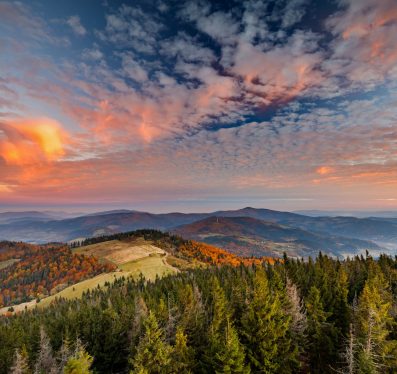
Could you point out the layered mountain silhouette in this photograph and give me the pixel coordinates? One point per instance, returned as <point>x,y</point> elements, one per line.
<point>266,230</point>
<point>253,237</point>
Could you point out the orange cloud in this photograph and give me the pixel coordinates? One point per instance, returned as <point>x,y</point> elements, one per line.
<point>30,141</point>
<point>4,188</point>
<point>324,170</point>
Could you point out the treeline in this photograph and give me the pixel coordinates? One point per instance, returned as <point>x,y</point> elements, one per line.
<point>12,250</point>
<point>156,236</point>
<point>179,247</point>
<point>42,268</point>
<point>322,316</point>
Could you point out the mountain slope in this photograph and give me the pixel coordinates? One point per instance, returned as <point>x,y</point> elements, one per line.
<point>361,228</point>
<point>380,230</point>
<point>92,225</point>
<point>250,236</point>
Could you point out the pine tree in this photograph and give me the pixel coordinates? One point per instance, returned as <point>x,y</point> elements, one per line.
<point>374,320</point>
<point>265,329</point>
<point>183,355</point>
<point>295,308</point>
<point>20,364</point>
<point>319,332</point>
<point>225,353</point>
<point>80,362</point>
<point>153,353</point>
<point>230,358</point>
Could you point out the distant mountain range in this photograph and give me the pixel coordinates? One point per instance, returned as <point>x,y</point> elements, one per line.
<point>349,213</point>
<point>11,217</point>
<point>268,230</point>
<point>254,237</point>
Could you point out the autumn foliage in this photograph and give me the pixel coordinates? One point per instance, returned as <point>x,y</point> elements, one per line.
<point>216,256</point>
<point>42,268</point>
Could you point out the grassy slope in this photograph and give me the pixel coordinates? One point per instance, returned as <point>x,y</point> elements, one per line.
<point>120,252</point>
<point>132,258</point>
<point>150,267</point>
<point>76,290</point>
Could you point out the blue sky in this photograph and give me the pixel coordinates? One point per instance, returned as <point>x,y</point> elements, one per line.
<point>198,105</point>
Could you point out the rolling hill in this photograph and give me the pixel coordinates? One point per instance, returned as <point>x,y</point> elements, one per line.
<point>54,271</point>
<point>382,231</point>
<point>254,237</point>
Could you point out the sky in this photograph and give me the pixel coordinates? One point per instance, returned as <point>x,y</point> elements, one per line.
<point>198,105</point>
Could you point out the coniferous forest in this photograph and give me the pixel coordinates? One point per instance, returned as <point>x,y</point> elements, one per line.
<point>316,316</point>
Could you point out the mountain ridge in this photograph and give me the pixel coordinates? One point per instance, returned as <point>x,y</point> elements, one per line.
<point>253,237</point>
<point>379,230</point>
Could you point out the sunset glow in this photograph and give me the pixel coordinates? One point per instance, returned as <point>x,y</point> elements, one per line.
<point>199,105</point>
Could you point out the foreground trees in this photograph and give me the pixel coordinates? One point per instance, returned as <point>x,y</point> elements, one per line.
<point>321,316</point>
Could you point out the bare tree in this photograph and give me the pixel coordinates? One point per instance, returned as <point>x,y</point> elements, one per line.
<point>349,354</point>
<point>64,353</point>
<point>296,309</point>
<point>20,364</point>
<point>46,362</point>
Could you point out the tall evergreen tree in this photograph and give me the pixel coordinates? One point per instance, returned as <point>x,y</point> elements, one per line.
<point>153,353</point>
<point>225,353</point>
<point>374,321</point>
<point>183,355</point>
<point>80,362</point>
<point>230,357</point>
<point>265,329</point>
<point>320,333</point>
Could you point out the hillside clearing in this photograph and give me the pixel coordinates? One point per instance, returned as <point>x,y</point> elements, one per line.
<point>150,267</point>
<point>151,263</point>
<point>120,252</point>
<point>4,264</point>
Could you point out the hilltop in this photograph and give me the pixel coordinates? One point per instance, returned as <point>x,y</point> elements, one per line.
<point>51,271</point>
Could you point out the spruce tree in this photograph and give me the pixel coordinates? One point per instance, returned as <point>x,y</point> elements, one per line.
<point>374,322</point>
<point>320,333</point>
<point>153,353</point>
<point>230,357</point>
<point>80,362</point>
<point>265,329</point>
<point>225,353</point>
<point>183,355</point>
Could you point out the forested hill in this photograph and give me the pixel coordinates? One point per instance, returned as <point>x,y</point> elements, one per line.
<point>34,272</point>
<point>322,316</point>
<point>180,247</point>
<point>254,237</point>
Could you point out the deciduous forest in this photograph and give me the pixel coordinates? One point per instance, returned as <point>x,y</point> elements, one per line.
<point>39,269</point>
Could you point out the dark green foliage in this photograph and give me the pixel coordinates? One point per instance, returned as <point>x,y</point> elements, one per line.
<point>153,354</point>
<point>321,316</point>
